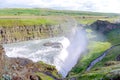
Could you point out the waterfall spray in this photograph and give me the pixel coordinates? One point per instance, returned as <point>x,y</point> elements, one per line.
<point>73,48</point>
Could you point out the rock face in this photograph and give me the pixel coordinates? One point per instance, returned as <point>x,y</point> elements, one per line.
<point>24,33</point>
<point>2,60</point>
<point>22,68</point>
<point>118,58</point>
<point>104,26</point>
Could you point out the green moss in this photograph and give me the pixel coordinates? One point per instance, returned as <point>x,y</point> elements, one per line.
<point>44,77</point>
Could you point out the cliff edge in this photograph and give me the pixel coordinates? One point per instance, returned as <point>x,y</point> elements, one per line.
<point>24,69</point>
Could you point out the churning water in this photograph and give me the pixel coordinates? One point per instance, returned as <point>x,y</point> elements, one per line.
<point>63,57</point>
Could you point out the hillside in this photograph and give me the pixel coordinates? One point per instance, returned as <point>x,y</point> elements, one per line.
<point>102,35</point>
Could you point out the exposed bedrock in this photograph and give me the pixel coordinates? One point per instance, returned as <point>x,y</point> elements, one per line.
<point>104,26</point>
<point>24,33</point>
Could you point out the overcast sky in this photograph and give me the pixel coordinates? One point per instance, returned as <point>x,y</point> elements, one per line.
<point>82,5</point>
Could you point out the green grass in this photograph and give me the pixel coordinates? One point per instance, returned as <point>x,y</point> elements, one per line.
<point>114,36</point>
<point>90,19</point>
<point>44,77</point>
<point>97,45</point>
<point>105,68</point>
<point>95,50</point>
<point>27,22</point>
<point>46,12</point>
<point>86,21</point>
<point>37,16</point>
<point>110,57</point>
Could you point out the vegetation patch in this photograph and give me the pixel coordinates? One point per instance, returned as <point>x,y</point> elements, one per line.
<point>25,22</point>
<point>46,12</point>
<point>113,36</point>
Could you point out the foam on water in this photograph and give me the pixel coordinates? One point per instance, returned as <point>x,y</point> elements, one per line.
<point>34,50</point>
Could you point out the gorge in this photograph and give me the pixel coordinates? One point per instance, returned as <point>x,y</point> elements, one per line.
<point>64,58</point>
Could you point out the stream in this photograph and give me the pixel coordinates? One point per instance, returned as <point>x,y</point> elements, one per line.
<point>98,59</point>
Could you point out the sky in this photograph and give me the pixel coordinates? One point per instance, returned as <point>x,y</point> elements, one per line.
<point>112,6</point>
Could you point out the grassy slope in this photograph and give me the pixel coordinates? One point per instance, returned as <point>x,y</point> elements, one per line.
<point>97,47</point>
<point>103,68</point>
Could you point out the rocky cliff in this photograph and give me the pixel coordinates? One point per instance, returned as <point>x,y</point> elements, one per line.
<point>104,26</point>
<point>23,33</point>
<point>24,69</point>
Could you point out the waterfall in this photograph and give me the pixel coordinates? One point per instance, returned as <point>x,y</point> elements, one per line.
<point>64,58</point>
<point>72,49</point>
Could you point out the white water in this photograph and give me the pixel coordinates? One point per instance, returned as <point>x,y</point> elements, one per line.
<point>34,50</point>
<point>68,57</point>
<point>64,59</point>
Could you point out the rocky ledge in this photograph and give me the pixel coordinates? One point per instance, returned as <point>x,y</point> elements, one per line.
<point>24,69</point>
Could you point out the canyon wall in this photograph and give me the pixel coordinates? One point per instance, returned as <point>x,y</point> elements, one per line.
<point>104,26</point>
<point>24,33</point>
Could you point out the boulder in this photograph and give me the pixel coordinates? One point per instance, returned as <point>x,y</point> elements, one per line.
<point>47,44</point>
<point>53,44</point>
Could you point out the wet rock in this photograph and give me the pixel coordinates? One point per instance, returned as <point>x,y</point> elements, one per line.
<point>23,62</point>
<point>47,44</point>
<point>57,45</point>
<point>118,58</point>
<point>53,44</point>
